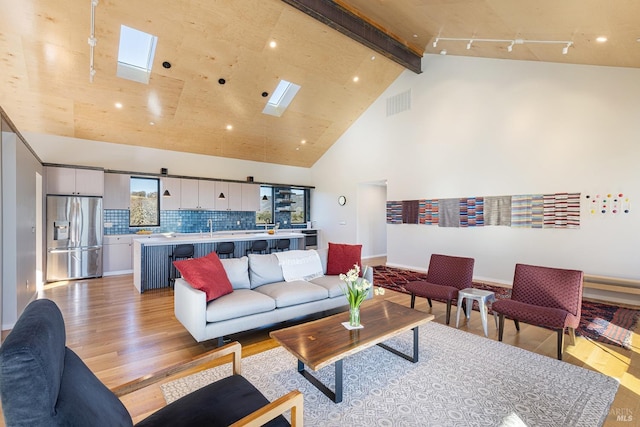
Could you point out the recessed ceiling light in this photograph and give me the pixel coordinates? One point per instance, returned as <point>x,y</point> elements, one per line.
<point>415,36</point>
<point>166,64</point>
<point>304,141</point>
<point>273,44</point>
<point>229,127</point>
<point>222,81</point>
<point>601,39</point>
<point>355,79</point>
<point>373,58</point>
<point>297,148</point>
<point>118,105</point>
<point>152,123</point>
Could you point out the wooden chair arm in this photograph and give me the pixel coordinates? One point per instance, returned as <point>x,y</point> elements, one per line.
<point>233,348</point>
<point>293,400</point>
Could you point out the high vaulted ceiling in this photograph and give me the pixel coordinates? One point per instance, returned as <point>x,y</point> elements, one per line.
<point>45,65</point>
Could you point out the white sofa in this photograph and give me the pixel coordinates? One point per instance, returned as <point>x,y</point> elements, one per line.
<point>260,297</point>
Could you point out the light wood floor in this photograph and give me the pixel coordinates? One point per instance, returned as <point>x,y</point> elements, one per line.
<point>121,335</point>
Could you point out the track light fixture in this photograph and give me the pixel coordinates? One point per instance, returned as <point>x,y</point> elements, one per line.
<point>92,40</point>
<point>511,42</point>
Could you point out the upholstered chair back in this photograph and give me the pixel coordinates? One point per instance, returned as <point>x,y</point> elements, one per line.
<point>548,287</point>
<point>44,383</point>
<point>450,271</point>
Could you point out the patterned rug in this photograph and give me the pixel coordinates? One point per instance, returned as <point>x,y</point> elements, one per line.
<point>451,385</point>
<point>599,322</point>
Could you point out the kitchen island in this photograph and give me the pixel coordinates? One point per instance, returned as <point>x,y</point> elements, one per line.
<point>151,255</point>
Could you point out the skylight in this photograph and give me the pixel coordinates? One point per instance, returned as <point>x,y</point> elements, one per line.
<point>281,98</point>
<point>135,54</point>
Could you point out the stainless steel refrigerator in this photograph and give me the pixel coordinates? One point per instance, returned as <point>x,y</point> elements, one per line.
<point>74,237</point>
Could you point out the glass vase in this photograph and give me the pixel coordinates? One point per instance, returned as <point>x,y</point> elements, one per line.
<point>354,317</point>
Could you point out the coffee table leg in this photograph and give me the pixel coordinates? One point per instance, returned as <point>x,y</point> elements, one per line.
<point>416,348</point>
<point>335,396</point>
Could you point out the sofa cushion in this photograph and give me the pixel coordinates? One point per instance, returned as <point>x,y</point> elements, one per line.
<point>342,258</point>
<point>264,269</point>
<point>206,274</point>
<point>286,294</point>
<point>239,303</point>
<point>332,284</point>
<point>237,271</point>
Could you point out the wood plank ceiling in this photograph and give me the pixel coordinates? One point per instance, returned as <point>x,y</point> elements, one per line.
<point>45,65</point>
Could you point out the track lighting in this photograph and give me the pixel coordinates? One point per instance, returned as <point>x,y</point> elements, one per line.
<point>512,42</point>
<point>92,40</point>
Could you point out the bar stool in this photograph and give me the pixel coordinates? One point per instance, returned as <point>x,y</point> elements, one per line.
<point>258,246</point>
<point>179,252</point>
<point>281,245</point>
<point>226,248</point>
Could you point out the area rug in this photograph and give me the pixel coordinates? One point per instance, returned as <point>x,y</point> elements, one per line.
<point>461,379</point>
<point>604,323</point>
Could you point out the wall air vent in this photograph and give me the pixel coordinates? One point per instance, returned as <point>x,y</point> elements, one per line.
<point>135,54</point>
<point>399,103</point>
<point>281,98</point>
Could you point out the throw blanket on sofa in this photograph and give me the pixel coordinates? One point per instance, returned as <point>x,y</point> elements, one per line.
<point>300,265</point>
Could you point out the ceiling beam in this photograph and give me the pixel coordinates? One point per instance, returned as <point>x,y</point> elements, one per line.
<point>341,19</point>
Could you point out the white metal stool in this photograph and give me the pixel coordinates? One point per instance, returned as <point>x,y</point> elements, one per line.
<point>483,297</point>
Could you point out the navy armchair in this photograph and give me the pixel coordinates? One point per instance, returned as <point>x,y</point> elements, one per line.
<point>44,383</point>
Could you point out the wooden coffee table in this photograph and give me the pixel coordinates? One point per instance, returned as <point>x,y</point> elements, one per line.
<point>325,341</point>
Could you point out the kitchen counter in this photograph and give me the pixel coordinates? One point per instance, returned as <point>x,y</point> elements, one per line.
<point>151,253</point>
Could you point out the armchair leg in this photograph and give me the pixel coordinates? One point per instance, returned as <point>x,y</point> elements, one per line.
<point>413,301</point>
<point>448,311</point>
<point>429,299</point>
<point>517,323</point>
<point>572,336</point>
<point>500,326</point>
<point>560,343</point>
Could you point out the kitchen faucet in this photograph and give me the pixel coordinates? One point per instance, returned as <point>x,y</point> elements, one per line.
<point>210,224</point>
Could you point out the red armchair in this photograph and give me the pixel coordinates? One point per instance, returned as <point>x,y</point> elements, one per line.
<point>544,296</point>
<point>445,277</point>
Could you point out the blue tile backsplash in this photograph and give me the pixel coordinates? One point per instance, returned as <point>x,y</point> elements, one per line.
<point>183,221</point>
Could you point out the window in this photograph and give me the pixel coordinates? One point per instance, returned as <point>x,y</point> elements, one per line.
<point>144,208</point>
<point>265,214</point>
<point>135,54</point>
<point>298,207</point>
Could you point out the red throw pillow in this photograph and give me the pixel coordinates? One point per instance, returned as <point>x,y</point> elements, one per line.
<point>206,274</point>
<point>341,258</point>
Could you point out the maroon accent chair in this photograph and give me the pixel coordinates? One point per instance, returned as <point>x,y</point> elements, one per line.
<point>544,296</point>
<point>445,277</point>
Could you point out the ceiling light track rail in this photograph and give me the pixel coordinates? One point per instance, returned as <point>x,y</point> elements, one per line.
<point>349,24</point>
<point>509,42</point>
<point>92,40</point>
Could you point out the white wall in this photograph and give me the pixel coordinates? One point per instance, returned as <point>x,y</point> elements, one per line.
<point>482,127</point>
<point>371,220</point>
<point>82,152</point>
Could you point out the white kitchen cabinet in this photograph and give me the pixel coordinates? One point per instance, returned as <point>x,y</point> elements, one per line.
<point>173,201</point>
<point>117,189</point>
<point>70,181</point>
<point>117,254</point>
<point>221,187</point>
<point>235,196</point>
<point>250,197</point>
<point>197,194</point>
